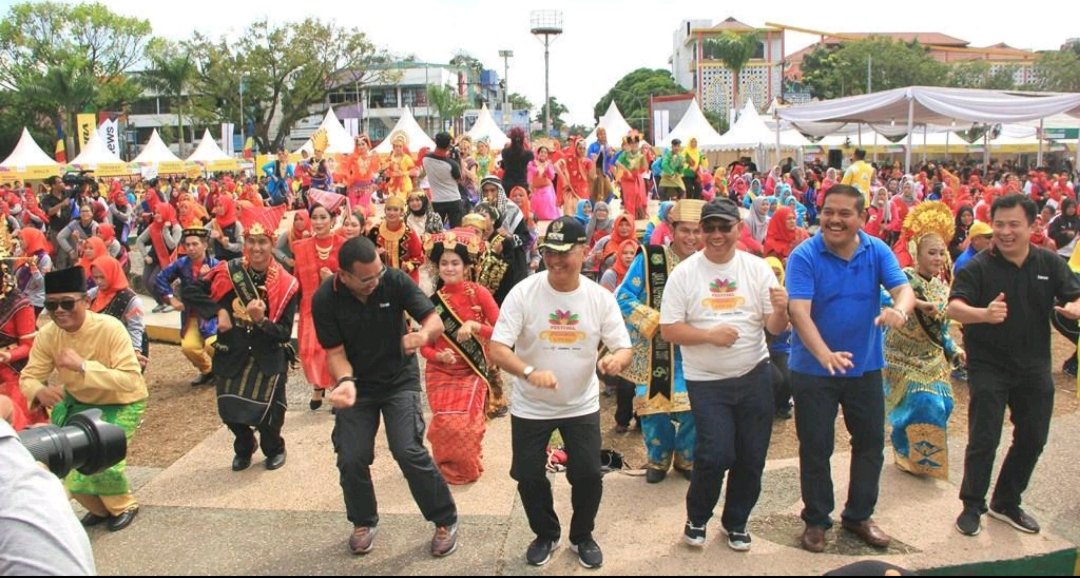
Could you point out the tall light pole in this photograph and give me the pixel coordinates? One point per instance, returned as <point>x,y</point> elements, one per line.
<point>506,55</point>
<point>545,25</point>
<point>243,141</point>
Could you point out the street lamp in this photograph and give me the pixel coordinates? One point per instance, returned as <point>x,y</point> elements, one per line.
<point>545,24</point>
<point>506,55</point>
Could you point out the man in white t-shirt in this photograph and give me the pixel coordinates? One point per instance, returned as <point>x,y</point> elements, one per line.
<point>555,322</point>
<point>717,306</point>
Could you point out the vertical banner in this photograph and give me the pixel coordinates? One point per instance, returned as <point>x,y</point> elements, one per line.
<point>227,145</point>
<point>353,126</point>
<point>661,124</point>
<point>85,124</point>
<point>109,131</point>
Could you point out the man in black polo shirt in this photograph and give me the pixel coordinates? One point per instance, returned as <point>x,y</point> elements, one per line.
<point>1004,297</point>
<point>360,320</point>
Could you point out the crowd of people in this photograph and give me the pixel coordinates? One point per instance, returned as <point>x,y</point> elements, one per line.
<point>748,296</point>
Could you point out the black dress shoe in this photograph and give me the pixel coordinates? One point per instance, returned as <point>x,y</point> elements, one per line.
<point>315,404</point>
<point>117,523</point>
<point>92,519</point>
<point>241,463</point>
<point>203,379</point>
<point>276,461</point>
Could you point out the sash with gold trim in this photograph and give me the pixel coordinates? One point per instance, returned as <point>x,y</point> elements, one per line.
<point>662,357</point>
<point>470,350</point>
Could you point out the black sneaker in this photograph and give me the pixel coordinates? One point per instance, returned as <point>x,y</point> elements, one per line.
<point>539,551</point>
<point>1069,367</point>
<point>654,476</point>
<point>589,553</point>
<point>1017,518</point>
<point>694,535</point>
<point>969,523</point>
<point>739,541</point>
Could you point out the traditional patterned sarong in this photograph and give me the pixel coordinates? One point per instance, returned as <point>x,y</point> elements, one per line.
<point>457,397</point>
<point>113,481</point>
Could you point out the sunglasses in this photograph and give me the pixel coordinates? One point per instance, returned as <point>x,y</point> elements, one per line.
<point>65,304</point>
<point>715,227</point>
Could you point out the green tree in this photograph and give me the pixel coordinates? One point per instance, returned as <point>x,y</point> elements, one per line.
<point>62,59</point>
<point>557,110</point>
<point>287,71</point>
<point>982,74</point>
<point>578,130</point>
<point>1059,70</point>
<point>734,49</point>
<point>171,74</point>
<point>892,64</point>
<point>448,104</point>
<point>632,92</point>
<point>717,120</point>
<point>520,102</point>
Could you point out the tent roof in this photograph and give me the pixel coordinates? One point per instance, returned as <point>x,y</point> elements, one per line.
<point>694,125</point>
<point>615,125</point>
<point>750,132</point>
<point>28,154</point>
<point>156,152</point>
<point>932,105</point>
<point>418,139</point>
<point>95,153</point>
<point>486,127</point>
<point>341,142</point>
<point>208,151</point>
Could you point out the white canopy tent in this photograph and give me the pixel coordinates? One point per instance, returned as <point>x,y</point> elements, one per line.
<point>407,125</point>
<point>341,142</point>
<point>209,155</point>
<point>750,132</point>
<point>486,127</point>
<point>97,157</point>
<point>920,105</point>
<point>615,125</point>
<point>28,161</point>
<point>157,154</point>
<point>693,125</point>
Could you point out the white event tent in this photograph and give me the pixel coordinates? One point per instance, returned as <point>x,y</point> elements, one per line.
<point>694,125</point>
<point>407,124</point>
<point>613,122</point>
<point>211,157</point>
<point>486,127</point>
<point>96,156</point>
<point>341,142</point>
<point>28,161</point>
<point>156,154</point>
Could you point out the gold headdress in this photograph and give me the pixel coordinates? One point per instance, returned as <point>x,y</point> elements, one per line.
<point>320,141</point>
<point>476,221</point>
<point>395,202</point>
<point>400,137</point>
<point>258,230</point>
<point>7,251</point>
<point>463,241</point>
<point>928,218</point>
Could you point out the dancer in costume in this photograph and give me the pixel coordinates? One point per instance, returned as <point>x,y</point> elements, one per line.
<point>398,245</point>
<point>316,261</point>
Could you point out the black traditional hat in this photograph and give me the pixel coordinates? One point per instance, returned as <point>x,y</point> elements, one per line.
<point>71,280</point>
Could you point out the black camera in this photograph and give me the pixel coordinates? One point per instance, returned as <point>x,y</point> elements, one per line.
<point>87,444</point>
<point>75,181</point>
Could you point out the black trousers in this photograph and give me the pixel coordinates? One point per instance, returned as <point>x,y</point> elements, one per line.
<point>270,440</point>
<point>354,443</point>
<point>529,440</point>
<point>624,398</point>
<point>781,380</point>
<point>1030,399</point>
<point>451,212</point>
<point>693,187</point>
<point>816,402</point>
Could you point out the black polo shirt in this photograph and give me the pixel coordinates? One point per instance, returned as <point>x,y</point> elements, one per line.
<point>1022,342</point>
<point>371,332</point>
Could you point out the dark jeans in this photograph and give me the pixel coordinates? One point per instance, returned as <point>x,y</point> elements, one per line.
<point>149,278</point>
<point>624,398</point>
<point>270,440</point>
<point>529,440</point>
<point>816,400</point>
<point>734,425</point>
<point>693,187</point>
<point>1030,399</point>
<point>781,380</point>
<point>451,212</point>
<point>354,442</point>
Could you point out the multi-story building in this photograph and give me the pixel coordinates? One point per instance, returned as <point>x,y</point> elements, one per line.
<point>695,65</point>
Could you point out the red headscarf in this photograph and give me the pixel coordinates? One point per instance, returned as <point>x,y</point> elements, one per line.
<point>229,215</point>
<point>33,241</point>
<point>99,248</point>
<point>616,241</point>
<point>304,231</point>
<point>115,282</point>
<point>167,214</point>
<point>779,240</point>
<point>107,233</point>
<point>526,207</point>
<point>621,268</point>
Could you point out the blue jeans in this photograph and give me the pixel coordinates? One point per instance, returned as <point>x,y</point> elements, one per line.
<point>733,418</point>
<point>816,402</point>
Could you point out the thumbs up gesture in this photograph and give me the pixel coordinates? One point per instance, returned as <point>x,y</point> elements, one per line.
<point>997,310</point>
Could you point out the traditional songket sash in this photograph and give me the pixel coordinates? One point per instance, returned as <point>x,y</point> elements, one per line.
<point>11,304</point>
<point>661,363</point>
<point>470,350</point>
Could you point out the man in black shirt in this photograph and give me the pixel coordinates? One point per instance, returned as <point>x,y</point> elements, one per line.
<point>360,320</point>
<point>1004,297</point>
<point>58,206</point>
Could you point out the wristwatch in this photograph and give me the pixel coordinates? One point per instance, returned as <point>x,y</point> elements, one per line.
<point>527,372</point>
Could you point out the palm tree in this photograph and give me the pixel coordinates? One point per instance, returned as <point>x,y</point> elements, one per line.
<point>171,73</point>
<point>735,50</point>
<point>67,85</point>
<point>448,104</point>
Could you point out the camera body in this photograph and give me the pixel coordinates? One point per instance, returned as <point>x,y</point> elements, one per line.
<point>75,181</point>
<point>87,444</point>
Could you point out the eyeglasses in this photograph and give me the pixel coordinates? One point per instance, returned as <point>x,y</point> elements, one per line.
<point>372,279</point>
<point>708,228</point>
<point>65,304</point>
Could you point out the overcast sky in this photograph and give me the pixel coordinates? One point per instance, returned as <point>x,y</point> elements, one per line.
<point>603,39</point>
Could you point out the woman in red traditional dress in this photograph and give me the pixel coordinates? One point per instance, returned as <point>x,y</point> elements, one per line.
<point>17,330</point>
<point>398,245</point>
<point>457,374</point>
<point>316,259</point>
<point>574,171</point>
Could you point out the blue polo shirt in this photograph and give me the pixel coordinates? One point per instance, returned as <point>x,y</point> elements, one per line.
<point>845,299</point>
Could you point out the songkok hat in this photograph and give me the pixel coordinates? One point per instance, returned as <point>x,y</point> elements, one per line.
<point>71,280</point>
<point>199,232</point>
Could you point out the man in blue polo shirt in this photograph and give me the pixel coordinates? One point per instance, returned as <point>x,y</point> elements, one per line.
<point>834,281</point>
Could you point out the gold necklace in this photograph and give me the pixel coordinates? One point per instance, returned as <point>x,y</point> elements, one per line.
<point>324,253</point>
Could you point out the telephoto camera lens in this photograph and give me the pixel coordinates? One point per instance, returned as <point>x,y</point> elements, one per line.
<point>87,444</point>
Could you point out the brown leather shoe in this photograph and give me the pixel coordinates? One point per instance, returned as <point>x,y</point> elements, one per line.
<point>869,531</point>
<point>813,539</point>
<point>444,542</point>
<point>362,540</point>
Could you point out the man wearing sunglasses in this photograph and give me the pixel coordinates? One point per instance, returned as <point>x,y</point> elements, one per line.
<point>96,368</point>
<point>717,306</point>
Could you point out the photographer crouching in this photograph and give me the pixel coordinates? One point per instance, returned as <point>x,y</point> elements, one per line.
<point>97,366</point>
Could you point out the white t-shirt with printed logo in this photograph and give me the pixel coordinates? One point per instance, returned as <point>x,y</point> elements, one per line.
<point>703,295</point>
<point>561,333</point>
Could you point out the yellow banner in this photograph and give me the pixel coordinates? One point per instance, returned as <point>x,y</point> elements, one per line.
<point>85,124</point>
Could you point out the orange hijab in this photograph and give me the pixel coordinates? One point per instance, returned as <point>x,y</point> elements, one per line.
<point>115,282</point>
<point>619,267</point>
<point>613,244</point>
<point>98,245</point>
